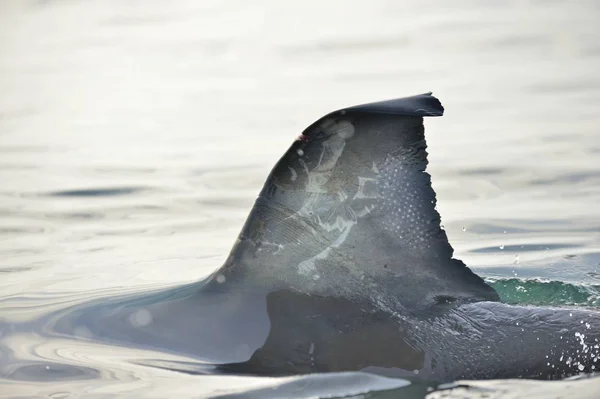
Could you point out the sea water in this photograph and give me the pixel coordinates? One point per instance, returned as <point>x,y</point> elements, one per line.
<point>135,135</point>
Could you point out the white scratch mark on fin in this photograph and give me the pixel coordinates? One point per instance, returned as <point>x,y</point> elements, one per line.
<point>365,211</point>
<point>308,266</point>
<point>294,174</point>
<point>362,186</point>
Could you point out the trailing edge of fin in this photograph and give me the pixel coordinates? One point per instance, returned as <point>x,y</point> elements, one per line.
<point>420,105</point>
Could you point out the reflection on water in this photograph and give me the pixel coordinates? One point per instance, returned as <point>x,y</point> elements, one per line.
<point>134,138</point>
<point>50,372</point>
<point>96,192</point>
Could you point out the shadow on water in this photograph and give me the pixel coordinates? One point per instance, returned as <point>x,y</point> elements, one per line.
<point>98,192</point>
<point>524,248</point>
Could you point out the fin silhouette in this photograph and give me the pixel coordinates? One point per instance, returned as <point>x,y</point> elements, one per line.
<point>349,211</point>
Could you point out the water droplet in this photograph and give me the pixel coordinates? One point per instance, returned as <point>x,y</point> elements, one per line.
<point>221,279</point>
<point>501,246</point>
<point>516,262</point>
<point>464,229</point>
<point>300,152</point>
<point>141,318</point>
<point>580,367</point>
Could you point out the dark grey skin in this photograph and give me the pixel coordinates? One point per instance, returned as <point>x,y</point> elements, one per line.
<point>342,265</point>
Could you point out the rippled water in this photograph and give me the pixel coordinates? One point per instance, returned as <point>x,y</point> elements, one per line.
<point>134,137</point>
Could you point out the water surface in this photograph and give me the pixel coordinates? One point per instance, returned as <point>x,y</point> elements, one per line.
<point>134,137</point>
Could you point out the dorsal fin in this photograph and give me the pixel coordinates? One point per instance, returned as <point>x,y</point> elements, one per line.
<point>420,105</point>
<point>349,210</point>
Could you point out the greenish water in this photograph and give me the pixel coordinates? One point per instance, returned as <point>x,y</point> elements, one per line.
<point>546,293</point>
